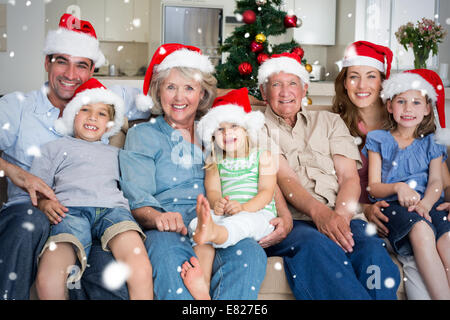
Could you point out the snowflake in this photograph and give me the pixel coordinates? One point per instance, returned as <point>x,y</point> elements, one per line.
<point>389,283</point>
<point>412,184</point>
<point>371,229</point>
<point>12,276</point>
<point>179,290</point>
<point>115,274</point>
<point>239,252</point>
<point>278,266</point>
<point>34,151</point>
<point>2,173</point>
<point>137,23</point>
<point>28,226</point>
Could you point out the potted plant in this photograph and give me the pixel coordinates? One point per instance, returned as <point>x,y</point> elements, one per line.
<point>423,38</point>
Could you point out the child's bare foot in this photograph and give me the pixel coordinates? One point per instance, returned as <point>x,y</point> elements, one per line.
<point>194,280</point>
<point>205,225</point>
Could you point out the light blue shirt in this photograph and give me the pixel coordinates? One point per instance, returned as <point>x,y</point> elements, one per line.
<point>160,169</point>
<point>409,165</point>
<point>26,123</point>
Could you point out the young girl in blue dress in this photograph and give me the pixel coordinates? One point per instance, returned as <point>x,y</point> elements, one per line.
<point>405,170</point>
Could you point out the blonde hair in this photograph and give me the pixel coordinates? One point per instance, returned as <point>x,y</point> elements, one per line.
<point>343,106</point>
<point>208,83</point>
<point>426,127</point>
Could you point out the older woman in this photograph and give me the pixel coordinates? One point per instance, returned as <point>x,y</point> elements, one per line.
<point>327,254</point>
<point>162,176</point>
<point>357,100</point>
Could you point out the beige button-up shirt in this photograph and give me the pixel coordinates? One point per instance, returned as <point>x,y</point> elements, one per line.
<point>309,148</point>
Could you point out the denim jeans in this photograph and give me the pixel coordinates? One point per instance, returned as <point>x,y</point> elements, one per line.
<point>318,269</point>
<point>238,271</point>
<point>23,233</point>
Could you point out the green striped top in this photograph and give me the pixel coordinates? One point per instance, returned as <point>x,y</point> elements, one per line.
<point>239,179</point>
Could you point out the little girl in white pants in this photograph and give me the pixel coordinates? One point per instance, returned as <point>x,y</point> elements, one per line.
<point>239,181</point>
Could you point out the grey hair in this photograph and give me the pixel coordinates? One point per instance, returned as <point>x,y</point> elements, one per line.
<point>207,81</point>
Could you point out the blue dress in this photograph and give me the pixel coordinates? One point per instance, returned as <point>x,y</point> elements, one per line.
<point>409,165</point>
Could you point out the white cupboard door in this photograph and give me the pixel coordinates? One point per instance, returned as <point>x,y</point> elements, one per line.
<point>319,22</point>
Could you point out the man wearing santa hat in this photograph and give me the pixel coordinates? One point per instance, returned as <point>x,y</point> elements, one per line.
<point>330,256</point>
<point>72,53</point>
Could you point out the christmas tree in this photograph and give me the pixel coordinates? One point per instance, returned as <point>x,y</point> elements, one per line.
<point>248,44</point>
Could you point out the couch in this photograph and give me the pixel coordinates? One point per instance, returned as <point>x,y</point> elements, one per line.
<point>275,285</point>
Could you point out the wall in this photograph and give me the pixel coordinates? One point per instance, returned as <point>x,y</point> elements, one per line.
<point>444,16</point>
<point>26,33</point>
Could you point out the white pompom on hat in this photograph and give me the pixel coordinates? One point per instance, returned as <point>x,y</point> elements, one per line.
<point>92,91</point>
<point>284,62</point>
<point>430,84</point>
<point>168,56</point>
<point>234,107</point>
<point>76,38</point>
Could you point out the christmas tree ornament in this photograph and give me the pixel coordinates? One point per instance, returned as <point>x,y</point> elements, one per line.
<point>262,57</point>
<point>290,21</point>
<point>256,47</point>
<point>299,23</point>
<point>308,67</point>
<point>298,51</point>
<point>249,17</point>
<point>261,38</point>
<point>245,68</point>
<point>309,102</point>
<point>260,2</point>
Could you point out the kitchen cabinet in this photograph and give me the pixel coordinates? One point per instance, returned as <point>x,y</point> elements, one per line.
<point>319,22</point>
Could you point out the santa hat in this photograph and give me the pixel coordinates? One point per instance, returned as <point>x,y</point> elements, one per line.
<point>76,38</point>
<point>92,91</point>
<point>168,56</point>
<point>430,84</point>
<point>234,107</point>
<point>364,53</point>
<point>286,62</point>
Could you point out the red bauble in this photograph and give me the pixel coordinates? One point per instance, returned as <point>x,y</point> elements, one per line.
<point>290,21</point>
<point>249,17</point>
<point>256,47</point>
<point>262,57</point>
<point>298,51</point>
<point>245,68</point>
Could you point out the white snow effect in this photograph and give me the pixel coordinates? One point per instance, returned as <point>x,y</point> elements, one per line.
<point>119,48</point>
<point>12,2</point>
<point>12,54</point>
<point>52,246</point>
<point>447,21</point>
<point>412,184</point>
<point>28,3</point>
<point>110,124</point>
<point>195,186</point>
<point>278,266</point>
<point>358,141</point>
<point>12,276</point>
<point>253,288</point>
<point>389,283</point>
<point>115,274</point>
<point>28,226</point>
<point>137,251</point>
<point>239,17</point>
<point>137,23</point>
<point>371,229</point>
<point>179,269</point>
<point>199,31</point>
<point>239,252</point>
<point>2,173</point>
<point>245,265</point>
<point>30,211</point>
<point>179,291</point>
<point>34,151</point>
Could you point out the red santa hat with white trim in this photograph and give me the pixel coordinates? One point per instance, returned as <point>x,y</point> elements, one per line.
<point>168,56</point>
<point>234,107</point>
<point>365,53</point>
<point>75,37</point>
<point>92,91</point>
<point>284,62</point>
<point>430,84</point>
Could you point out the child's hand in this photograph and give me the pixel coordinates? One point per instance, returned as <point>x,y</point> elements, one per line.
<point>53,210</point>
<point>219,206</point>
<point>407,197</point>
<point>233,207</point>
<point>422,209</point>
<point>444,206</point>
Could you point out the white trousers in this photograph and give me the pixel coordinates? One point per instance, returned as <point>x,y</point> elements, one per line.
<point>255,225</point>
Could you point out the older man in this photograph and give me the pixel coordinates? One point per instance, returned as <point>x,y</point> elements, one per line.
<point>26,122</point>
<point>328,254</point>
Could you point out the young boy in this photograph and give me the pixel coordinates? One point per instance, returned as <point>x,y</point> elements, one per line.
<point>84,173</point>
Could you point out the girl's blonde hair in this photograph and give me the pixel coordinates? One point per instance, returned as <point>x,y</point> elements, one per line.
<point>426,127</point>
<point>343,106</point>
<point>207,81</point>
